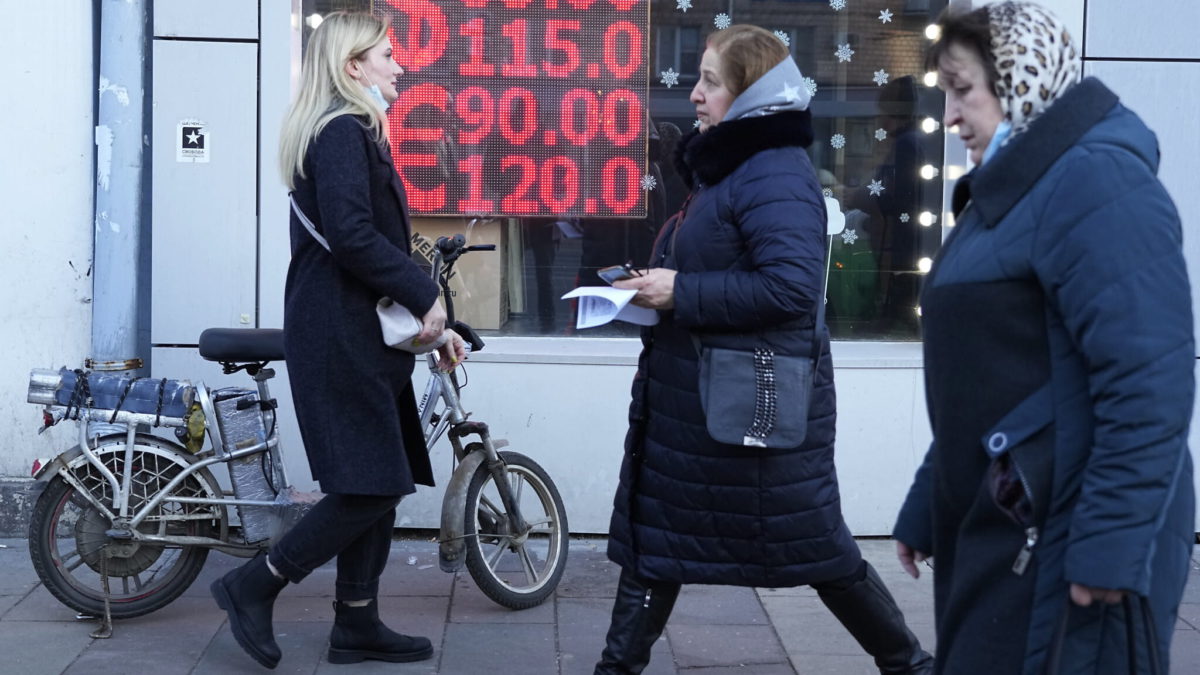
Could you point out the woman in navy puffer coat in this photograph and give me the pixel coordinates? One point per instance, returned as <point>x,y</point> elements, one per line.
<point>1057,497</point>
<point>740,267</point>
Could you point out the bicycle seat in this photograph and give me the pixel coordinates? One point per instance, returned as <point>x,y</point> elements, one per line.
<point>241,345</point>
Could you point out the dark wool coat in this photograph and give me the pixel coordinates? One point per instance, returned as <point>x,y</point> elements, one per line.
<point>353,394</point>
<point>1058,333</point>
<point>750,253</point>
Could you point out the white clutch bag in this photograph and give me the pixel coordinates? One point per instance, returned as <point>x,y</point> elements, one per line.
<point>398,325</point>
<point>400,328</point>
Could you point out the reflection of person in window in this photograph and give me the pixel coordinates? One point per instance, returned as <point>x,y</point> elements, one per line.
<point>740,267</point>
<point>894,233</point>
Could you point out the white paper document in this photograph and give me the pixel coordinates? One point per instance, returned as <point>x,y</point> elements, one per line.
<point>599,305</point>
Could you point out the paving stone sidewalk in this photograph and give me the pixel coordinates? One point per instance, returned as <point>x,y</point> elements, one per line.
<point>715,630</point>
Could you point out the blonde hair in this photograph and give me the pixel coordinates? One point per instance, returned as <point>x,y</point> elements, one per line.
<point>747,53</point>
<point>326,89</point>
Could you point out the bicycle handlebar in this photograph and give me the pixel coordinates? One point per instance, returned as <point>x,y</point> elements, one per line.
<point>448,251</point>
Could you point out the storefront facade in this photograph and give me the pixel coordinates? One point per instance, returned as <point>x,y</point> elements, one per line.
<point>556,393</point>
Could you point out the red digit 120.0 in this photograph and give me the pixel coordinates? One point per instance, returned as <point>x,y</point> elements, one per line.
<point>519,201</point>
<point>609,180</point>
<point>474,203</point>
<point>570,189</point>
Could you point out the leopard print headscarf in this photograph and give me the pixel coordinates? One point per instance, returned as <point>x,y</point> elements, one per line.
<point>1035,57</point>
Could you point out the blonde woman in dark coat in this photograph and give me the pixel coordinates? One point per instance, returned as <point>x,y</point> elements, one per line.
<point>353,394</point>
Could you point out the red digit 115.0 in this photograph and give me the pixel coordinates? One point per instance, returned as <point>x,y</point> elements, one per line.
<point>554,42</point>
<point>516,31</point>
<point>475,65</point>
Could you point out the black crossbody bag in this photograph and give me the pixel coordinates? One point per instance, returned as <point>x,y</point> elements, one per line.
<point>756,398</point>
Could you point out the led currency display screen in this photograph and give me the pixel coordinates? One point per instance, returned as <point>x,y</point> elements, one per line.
<point>521,107</point>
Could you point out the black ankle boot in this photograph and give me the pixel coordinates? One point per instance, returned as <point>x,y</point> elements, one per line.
<point>358,634</point>
<point>639,616</point>
<point>247,594</point>
<point>869,612</point>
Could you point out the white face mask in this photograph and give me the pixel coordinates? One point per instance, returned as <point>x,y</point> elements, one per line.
<point>377,98</point>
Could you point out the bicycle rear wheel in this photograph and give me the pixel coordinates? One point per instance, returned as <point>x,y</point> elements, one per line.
<point>516,569</point>
<point>67,534</point>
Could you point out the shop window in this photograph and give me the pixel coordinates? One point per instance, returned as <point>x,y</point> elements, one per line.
<point>678,49</point>
<point>515,79</point>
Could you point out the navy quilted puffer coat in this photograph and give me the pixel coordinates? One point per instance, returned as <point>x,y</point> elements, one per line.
<point>1058,337</point>
<point>750,252</point>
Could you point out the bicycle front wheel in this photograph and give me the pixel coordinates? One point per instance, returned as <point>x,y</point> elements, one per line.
<point>517,569</point>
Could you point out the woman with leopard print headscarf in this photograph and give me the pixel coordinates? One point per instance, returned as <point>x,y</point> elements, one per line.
<point>1056,499</point>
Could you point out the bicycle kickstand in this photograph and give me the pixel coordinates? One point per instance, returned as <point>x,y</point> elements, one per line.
<point>105,630</point>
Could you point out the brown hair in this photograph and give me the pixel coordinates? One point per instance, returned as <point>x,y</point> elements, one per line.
<point>747,53</point>
<point>973,31</point>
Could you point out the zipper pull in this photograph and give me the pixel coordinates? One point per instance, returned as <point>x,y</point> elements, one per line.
<point>646,603</point>
<point>1022,561</point>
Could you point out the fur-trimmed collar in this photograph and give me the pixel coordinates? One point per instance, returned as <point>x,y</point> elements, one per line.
<point>711,156</point>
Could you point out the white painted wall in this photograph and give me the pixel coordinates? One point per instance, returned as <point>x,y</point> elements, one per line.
<point>46,142</point>
<point>564,403</point>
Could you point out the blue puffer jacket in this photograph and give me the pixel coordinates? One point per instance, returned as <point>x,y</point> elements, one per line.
<point>1058,340</point>
<point>750,254</point>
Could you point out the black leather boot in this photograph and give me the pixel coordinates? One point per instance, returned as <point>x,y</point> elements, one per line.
<point>248,594</point>
<point>358,634</point>
<point>869,612</point>
<point>639,616</point>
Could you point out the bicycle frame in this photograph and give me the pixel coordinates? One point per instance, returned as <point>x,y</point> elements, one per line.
<point>441,387</point>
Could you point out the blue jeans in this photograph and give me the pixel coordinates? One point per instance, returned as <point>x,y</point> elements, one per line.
<point>355,528</point>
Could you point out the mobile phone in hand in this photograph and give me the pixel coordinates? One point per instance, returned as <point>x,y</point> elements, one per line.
<point>615,273</point>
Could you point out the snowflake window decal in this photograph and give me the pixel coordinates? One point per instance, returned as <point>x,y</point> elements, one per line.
<point>649,182</point>
<point>904,217</point>
<point>683,5</point>
<point>880,78</point>
<point>783,37</point>
<point>849,236</point>
<point>722,21</point>
<point>876,188</point>
<point>837,5</point>
<point>827,193</point>
<point>838,141</point>
<point>880,134</point>
<point>885,16</point>
<point>844,53</point>
<point>696,124</point>
<point>669,77</point>
<point>810,85</point>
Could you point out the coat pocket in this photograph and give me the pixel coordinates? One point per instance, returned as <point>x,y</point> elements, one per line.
<point>1021,446</point>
